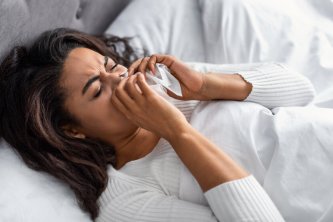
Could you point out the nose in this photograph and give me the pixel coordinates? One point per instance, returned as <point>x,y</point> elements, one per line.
<point>113,77</point>
<point>124,74</point>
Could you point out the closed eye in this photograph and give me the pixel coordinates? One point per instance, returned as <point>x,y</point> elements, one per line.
<point>106,60</point>
<point>98,92</point>
<point>113,67</point>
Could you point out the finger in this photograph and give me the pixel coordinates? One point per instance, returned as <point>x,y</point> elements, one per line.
<point>133,67</point>
<point>172,63</point>
<point>151,63</point>
<point>143,65</point>
<point>180,70</point>
<point>167,60</point>
<point>131,88</point>
<point>123,96</point>
<point>144,87</point>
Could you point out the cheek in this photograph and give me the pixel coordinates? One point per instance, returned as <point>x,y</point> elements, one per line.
<point>101,120</point>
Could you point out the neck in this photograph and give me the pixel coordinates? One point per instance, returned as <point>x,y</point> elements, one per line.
<point>138,145</point>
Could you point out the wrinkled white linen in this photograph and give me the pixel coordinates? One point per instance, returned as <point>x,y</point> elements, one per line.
<point>296,33</point>
<point>289,150</point>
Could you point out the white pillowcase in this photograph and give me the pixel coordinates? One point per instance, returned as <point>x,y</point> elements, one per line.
<point>163,26</point>
<point>31,196</point>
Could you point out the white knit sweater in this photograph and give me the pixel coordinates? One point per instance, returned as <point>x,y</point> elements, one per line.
<point>152,188</point>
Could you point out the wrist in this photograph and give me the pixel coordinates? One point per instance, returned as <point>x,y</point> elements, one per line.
<point>204,91</point>
<point>225,86</point>
<point>176,132</point>
<point>245,87</point>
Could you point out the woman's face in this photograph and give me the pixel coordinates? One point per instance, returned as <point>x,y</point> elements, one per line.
<point>89,80</point>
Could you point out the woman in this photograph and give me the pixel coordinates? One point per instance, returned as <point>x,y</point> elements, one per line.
<point>68,110</point>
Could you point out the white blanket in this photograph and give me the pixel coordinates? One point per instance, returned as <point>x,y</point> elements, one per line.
<point>289,150</point>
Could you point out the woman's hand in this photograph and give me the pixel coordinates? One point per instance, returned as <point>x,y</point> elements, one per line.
<point>145,108</point>
<point>195,85</point>
<point>191,81</point>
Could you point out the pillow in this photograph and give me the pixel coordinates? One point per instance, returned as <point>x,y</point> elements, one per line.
<point>27,195</point>
<point>164,26</point>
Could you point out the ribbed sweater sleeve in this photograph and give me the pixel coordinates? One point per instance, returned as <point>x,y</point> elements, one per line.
<point>239,200</point>
<point>273,84</point>
<point>133,199</point>
<point>242,200</point>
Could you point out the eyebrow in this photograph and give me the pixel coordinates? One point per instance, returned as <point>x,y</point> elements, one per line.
<point>94,78</point>
<point>90,81</point>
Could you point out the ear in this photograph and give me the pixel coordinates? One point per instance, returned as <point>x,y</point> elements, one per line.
<point>73,132</point>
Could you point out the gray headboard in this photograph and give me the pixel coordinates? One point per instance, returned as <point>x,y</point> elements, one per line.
<point>21,21</point>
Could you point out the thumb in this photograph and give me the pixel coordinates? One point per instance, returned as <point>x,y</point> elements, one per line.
<point>173,95</point>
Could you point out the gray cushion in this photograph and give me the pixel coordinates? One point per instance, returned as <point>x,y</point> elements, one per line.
<point>21,21</point>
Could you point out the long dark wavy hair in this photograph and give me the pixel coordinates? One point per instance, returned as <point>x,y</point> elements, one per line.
<point>32,111</point>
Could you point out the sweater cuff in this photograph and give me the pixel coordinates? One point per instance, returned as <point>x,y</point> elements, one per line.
<point>242,200</point>
<point>274,85</point>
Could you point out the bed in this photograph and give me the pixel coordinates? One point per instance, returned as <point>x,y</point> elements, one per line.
<point>297,33</point>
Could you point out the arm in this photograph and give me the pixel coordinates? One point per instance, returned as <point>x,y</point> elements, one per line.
<point>230,192</point>
<point>269,84</point>
<point>233,201</point>
<point>218,175</point>
<point>225,86</point>
<point>220,166</point>
<point>134,202</point>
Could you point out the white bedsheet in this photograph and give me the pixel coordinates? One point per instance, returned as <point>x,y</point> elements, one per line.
<point>298,33</point>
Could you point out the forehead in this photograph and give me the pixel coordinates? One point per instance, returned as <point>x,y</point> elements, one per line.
<point>84,54</point>
<point>80,65</point>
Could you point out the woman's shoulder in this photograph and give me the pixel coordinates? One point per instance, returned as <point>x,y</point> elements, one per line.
<point>149,174</point>
<point>122,190</point>
<point>120,183</point>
